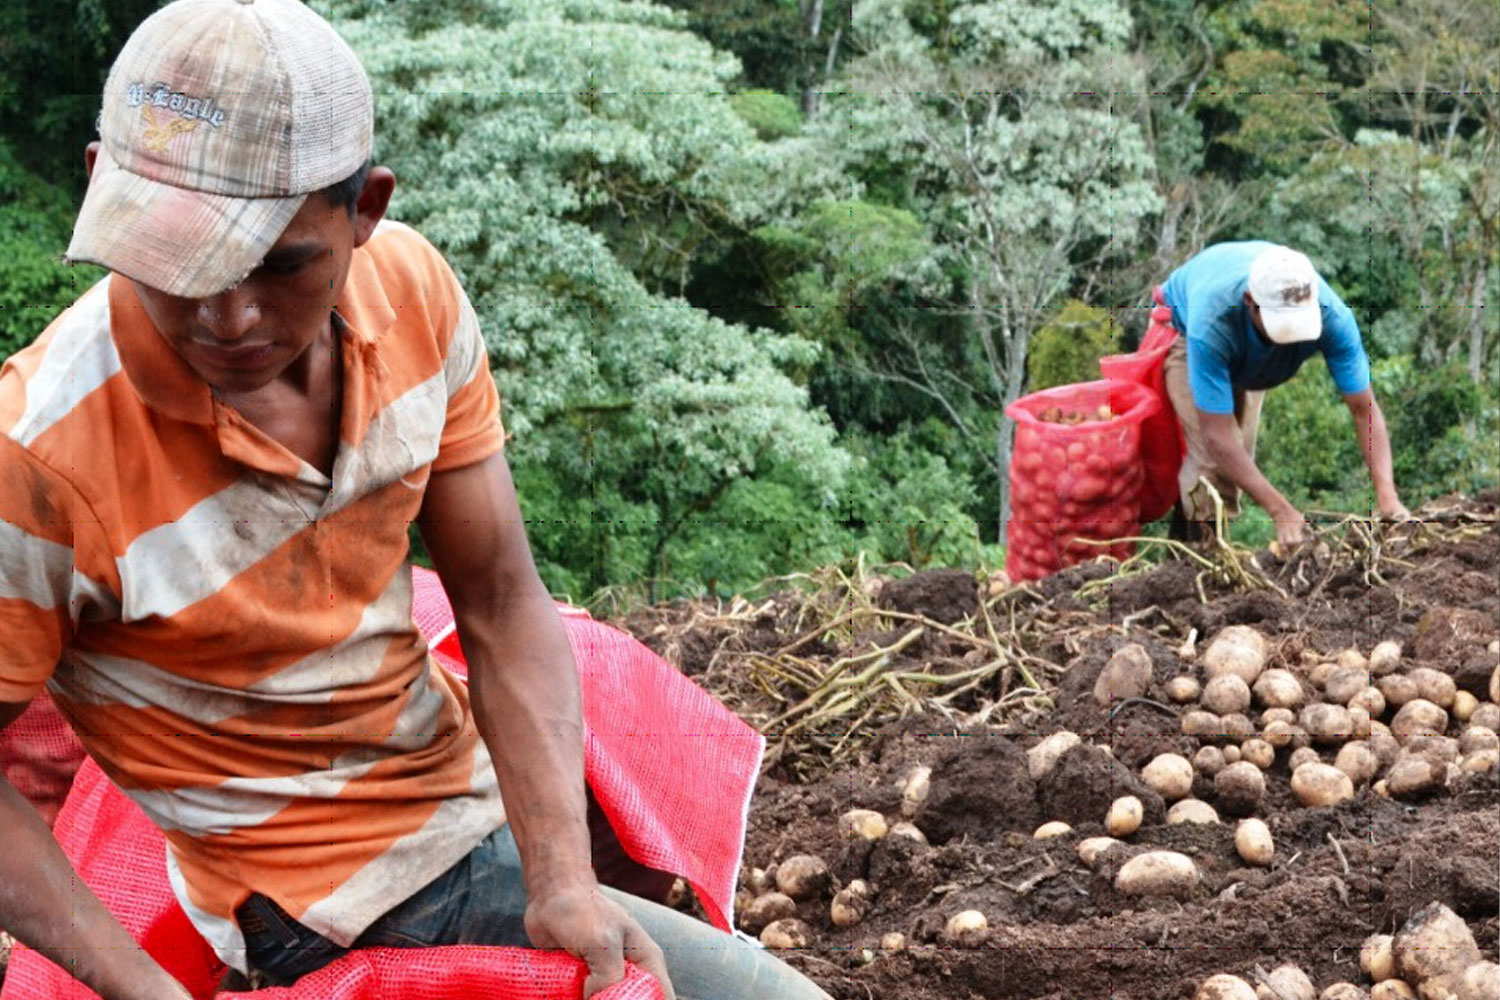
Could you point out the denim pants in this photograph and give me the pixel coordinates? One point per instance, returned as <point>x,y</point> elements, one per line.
<point>482,900</point>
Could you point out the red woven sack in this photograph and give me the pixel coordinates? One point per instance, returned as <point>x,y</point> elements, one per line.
<point>1072,485</point>
<point>671,768</point>
<point>39,756</point>
<point>1162,443</point>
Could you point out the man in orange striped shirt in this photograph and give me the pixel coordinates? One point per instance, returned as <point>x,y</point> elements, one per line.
<point>210,462</point>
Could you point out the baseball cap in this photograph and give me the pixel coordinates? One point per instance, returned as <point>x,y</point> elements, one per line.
<point>1285,287</point>
<point>219,118</point>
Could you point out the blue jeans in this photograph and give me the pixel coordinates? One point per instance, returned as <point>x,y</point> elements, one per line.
<point>482,900</point>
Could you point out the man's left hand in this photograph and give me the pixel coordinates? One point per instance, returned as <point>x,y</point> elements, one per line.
<point>589,926</point>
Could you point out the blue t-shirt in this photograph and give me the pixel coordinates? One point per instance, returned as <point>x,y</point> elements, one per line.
<point>1224,352</point>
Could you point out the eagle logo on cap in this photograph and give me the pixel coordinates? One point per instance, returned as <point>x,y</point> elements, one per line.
<point>159,135</point>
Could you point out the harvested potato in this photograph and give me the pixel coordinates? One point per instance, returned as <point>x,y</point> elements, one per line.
<point>850,904</point>
<point>1326,724</point>
<point>1352,658</point>
<point>908,831</point>
<point>1286,982</point>
<point>1278,689</point>
<point>1253,842</point>
<point>1397,689</point>
<point>1238,649</point>
<point>967,927</point>
<point>1226,694</point>
<point>1240,788</point>
<point>1056,828</point>
<point>1237,726</point>
<point>1231,754</point>
<point>1168,775</point>
<point>1281,734</point>
<point>1358,761</point>
<point>893,941</point>
<point>1090,848</point>
<point>1318,784</point>
<point>1384,744</point>
<point>1464,704</point>
<point>1481,981</point>
<point>1201,724</point>
<point>866,824</point>
<point>788,934</point>
<point>1477,738</point>
<point>1486,715</point>
<point>1209,761</point>
<point>1385,657</point>
<point>1418,716</point>
<point>1300,756</point>
<point>1224,987</point>
<point>802,876</point>
<point>766,909</point>
<point>1360,723</point>
<point>1433,949</point>
<point>1183,689</point>
<point>1258,752</point>
<point>1343,991</point>
<point>1125,815</point>
<point>1319,674</point>
<point>1480,761</point>
<point>1371,700</point>
<point>916,788</point>
<point>1434,686</point>
<point>1376,959</point>
<point>1343,684</point>
<point>1392,989</point>
<point>1041,758</point>
<point>1416,777</point>
<point>1158,873</point>
<point>1192,811</point>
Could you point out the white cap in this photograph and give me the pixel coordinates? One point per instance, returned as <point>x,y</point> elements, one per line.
<point>219,118</point>
<point>1284,285</point>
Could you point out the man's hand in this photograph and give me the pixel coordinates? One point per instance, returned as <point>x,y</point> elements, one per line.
<point>1395,510</point>
<point>1290,529</point>
<point>588,926</point>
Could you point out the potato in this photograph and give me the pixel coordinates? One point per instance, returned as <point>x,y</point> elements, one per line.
<point>1204,725</point>
<point>787,934</point>
<point>1056,828</point>
<point>1385,657</point>
<point>1238,649</point>
<point>1358,761</point>
<point>1286,982</point>
<point>1258,752</point>
<point>1226,694</point>
<point>850,904</point>
<point>1090,848</point>
<point>1279,689</point>
<point>1169,775</point>
<point>1434,686</point>
<point>1392,989</point>
<point>1418,716</point>
<point>1486,715</point>
<point>1192,811</point>
<point>1321,785</point>
<point>1481,761</point>
<point>1481,981</point>
<point>915,789</point>
<point>1327,724</point>
<point>1125,815</point>
<point>908,831</point>
<point>1385,746</point>
<point>1209,761</point>
<point>1271,715</point>
<point>893,941</point>
<point>1495,686</point>
<point>1158,873</point>
<point>1237,726</point>
<point>1435,944</point>
<point>765,910</point>
<point>1360,721</point>
<point>1183,690</point>
<point>1375,958</point>
<point>1284,734</point>
<point>1253,842</point>
<point>1443,748</point>
<point>1231,754</point>
<point>967,928</point>
<point>1300,756</point>
<point>1343,684</point>
<point>1352,658</point>
<point>1240,788</point>
<point>802,876</point>
<point>1477,738</point>
<point>1464,704</point>
<point>1343,991</point>
<point>1371,700</point>
<point>1415,777</point>
<point>1319,674</point>
<point>1224,987</point>
<point>865,824</point>
<point>1041,758</point>
<point>1397,689</point>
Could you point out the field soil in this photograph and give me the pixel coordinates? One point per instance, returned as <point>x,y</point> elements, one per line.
<point>1058,929</point>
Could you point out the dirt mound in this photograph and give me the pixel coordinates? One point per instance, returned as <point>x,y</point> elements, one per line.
<point>964,676</point>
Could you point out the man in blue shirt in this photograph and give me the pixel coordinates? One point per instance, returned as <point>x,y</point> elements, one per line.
<point>1249,314</point>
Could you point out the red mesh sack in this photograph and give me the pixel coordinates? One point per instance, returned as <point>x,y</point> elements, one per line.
<point>1162,443</point>
<point>671,768</point>
<point>1075,483</point>
<point>39,756</point>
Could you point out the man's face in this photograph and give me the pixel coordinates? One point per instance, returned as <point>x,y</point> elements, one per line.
<point>248,336</point>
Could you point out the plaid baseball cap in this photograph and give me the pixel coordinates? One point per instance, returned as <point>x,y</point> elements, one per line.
<point>219,118</point>
<point>1284,285</point>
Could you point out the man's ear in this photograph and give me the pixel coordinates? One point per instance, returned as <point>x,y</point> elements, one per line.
<point>90,155</point>
<point>374,198</point>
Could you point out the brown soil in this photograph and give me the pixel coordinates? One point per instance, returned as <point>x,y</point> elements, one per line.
<point>1057,929</point>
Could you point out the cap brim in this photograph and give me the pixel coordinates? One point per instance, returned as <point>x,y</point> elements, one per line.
<point>178,241</point>
<point>1293,326</point>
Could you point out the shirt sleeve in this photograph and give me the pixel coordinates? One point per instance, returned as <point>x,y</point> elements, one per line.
<point>1343,349</point>
<point>37,571</point>
<point>472,430</point>
<point>1208,376</point>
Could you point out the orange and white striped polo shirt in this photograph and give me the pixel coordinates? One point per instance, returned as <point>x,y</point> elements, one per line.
<point>228,629</point>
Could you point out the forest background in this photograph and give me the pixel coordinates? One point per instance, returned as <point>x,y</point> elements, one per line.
<point>758,277</point>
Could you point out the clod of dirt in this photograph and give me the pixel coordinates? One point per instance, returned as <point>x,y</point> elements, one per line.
<point>981,789</point>
<point>944,595</point>
<point>1084,783</point>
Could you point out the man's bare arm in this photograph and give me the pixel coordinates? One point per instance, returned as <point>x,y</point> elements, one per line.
<point>1375,446</point>
<point>524,689</point>
<point>46,906</point>
<point>1222,436</point>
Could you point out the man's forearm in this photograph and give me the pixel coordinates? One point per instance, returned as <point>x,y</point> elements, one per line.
<point>44,905</point>
<point>1234,463</point>
<point>1375,446</point>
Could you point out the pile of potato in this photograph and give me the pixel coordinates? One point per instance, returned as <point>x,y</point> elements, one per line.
<point>1432,957</point>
